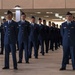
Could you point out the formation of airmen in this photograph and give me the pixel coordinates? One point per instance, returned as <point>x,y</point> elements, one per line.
<point>27,35</point>
<point>68,41</point>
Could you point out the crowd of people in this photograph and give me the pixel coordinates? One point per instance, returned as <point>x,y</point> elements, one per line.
<point>26,35</point>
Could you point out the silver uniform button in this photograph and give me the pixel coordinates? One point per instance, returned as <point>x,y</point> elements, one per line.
<point>68,30</point>
<point>68,33</point>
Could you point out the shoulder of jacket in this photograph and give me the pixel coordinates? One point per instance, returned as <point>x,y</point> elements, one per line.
<point>63,23</point>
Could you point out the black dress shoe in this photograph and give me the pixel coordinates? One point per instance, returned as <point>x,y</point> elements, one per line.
<point>46,52</point>
<point>73,68</point>
<point>52,49</point>
<point>15,68</point>
<point>67,62</point>
<point>19,61</point>
<point>56,48</point>
<point>5,68</point>
<point>61,69</point>
<point>30,57</point>
<point>1,53</point>
<point>27,62</point>
<point>40,52</point>
<point>43,54</point>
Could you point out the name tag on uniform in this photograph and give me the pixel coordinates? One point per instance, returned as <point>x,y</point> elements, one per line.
<point>19,25</point>
<point>5,26</point>
<point>65,27</point>
<point>72,27</point>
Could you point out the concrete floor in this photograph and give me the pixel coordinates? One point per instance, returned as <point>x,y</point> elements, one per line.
<point>45,65</point>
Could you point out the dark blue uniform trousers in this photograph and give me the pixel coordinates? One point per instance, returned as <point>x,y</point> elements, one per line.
<point>35,45</point>
<point>47,44</point>
<point>23,45</point>
<point>67,50</point>
<point>12,48</point>
<point>41,42</point>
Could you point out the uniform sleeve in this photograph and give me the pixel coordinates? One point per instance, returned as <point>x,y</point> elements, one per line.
<point>38,30</point>
<point>28,28</point>
<point>48,30</point>
<point>4,28</point>
<point>1,28</point>
<point>61,30</point>
<point>16,29</point>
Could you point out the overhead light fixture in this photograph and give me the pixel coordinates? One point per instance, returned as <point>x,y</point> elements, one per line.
<point>32,14</point>
<point>72,11</point>
<point>56,19</point>
<point>46,16</point>
<point>49,12</point>
<point>63,18</point>
<point>38,12</point>
<point>2,17</point>
<point>5,13</point>
<point>60,17</point>
<point>56,15</point>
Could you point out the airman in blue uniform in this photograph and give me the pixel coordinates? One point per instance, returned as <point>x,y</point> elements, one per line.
<point>58,36</point>
<point>33,37</point>
<point>10,38</point>
<point>49,34</point>
<point>46,35</point>
<point>23,35</point>
<point>68,42</point>
<point>2,37</point>
<point>53,37</point>
<point>41,36</point>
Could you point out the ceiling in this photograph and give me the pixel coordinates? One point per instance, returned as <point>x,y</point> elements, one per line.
<point>48,14</point>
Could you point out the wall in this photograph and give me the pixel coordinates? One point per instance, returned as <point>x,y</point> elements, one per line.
<point>0,4</point>
<point>70,3</point>
<point>37,4</point>
<point>10,4</point>
<point>41,4</point>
